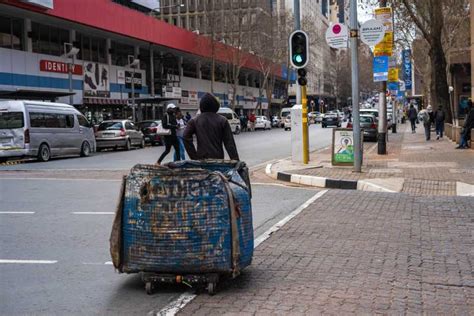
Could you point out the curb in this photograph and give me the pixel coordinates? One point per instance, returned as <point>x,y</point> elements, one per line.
<point>322,182</point>
<point>12,162</point>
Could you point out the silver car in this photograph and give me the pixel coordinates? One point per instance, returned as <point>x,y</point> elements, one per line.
<point>118,133</point>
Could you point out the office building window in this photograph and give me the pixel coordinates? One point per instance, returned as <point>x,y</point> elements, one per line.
<point>11,33</point>
<point>120,53</point>
<point>48,39</point>
<point>91,48</point>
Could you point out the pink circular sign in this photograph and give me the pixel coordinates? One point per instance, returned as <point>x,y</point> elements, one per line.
<point>336,29</point>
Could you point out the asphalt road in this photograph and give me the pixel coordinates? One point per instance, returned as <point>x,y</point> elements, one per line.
<point>63,234</point>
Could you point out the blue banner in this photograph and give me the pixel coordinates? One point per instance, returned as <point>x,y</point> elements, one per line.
<point>380,67</point>
<point>406,59</point>
<point>393,87</point>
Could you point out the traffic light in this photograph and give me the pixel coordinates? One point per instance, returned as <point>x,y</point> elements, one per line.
<point>299,53</point>
<point>302,81</point>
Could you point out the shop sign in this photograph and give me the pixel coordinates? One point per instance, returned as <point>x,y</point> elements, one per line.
<point>137,81</point>
<point>121,76</point>
<point>59,67</point>
<point>96,80</point>
<point>337,36</point>
<point>342,147</point>
<point>407,69</point>
<point>380,67</point>
<point>372,32</point>
<point>172,92</point>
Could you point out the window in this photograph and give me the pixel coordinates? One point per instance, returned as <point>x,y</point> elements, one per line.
<point>120,53</point>
<point>11,33</point>
<point>83,121</point>
<point>91,48</point>
<point>110,126</point>
<point>51,120</point>
<point>48,39</point>
<point>10,120</point>
<point>129,126</point>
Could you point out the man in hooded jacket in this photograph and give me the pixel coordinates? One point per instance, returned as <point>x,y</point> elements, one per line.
<point>212,131</point>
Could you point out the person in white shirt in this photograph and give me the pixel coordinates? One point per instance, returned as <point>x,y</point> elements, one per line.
<point>180,134</point>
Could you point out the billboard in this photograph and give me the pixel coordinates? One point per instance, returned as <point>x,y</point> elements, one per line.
<point>96,80</point>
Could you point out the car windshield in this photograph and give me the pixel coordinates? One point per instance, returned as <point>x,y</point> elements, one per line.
<point>110,126</point>
<point>9,120</point>
<point>374,113</point>
<point>226,115</point>
<point>366,119</point>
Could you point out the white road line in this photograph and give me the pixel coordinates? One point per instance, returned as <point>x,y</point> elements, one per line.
<point>108,263</point>
<point>17,212</point>
<point>281,185</point>
<point>28,261</point>
<point>178,304</point>
<point>59,179</point>
<point>93,213</point>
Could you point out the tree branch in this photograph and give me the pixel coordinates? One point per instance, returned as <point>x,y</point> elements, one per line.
<point>417,21</point>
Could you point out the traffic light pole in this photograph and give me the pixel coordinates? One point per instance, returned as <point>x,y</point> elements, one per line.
<point>355,86</point>
<point>382,128</point>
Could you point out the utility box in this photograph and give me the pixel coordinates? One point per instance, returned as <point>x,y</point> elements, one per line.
<point>297,133</point>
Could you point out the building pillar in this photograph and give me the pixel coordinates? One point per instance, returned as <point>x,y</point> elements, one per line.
<point>472,51</point>
<point>152,77</point>
<point>198,70</point>
<point>181,71</point>
<point>27,39</point>
<point>108,47</point>
<point>72,36</point>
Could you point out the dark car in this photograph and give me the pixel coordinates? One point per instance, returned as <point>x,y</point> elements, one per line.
<point>149,129</point>
<point>368,123</point>
<point>331,119</point>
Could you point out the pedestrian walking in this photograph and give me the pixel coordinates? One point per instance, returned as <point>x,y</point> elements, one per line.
<point>188,117</point>
<point>252,120</point>
<point>426,117</point>
<point>468,125</point>
<point>169,122</point>
<point>243,122</point>
<point>212,133</point>
<point>412,116</point>
<point>181,155</point>
<point>439,122</point>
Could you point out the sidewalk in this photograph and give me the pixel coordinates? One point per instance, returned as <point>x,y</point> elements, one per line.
<point>359,252</point>
<point>412,165</point>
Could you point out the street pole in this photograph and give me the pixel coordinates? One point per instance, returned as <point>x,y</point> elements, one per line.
<point>71,97</point>
<point>354,25</point>
<point>133,96</point>
<point>382,128</point>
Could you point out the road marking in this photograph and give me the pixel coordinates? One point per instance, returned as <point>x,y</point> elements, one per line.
<point>178,304</point>
<point>93,213</point>
<point>282,185</point>
<point>28,261</point>
<point>60,179</point>
<point>17,212</point>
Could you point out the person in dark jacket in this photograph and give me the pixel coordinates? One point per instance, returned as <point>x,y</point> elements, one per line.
<point>439,122</point>
<point>169,122</point>
<point>468,125</point>
<point>212,131</point>
<point>412,116</point>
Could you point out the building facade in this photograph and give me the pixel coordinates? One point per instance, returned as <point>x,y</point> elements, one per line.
<point>173,62</point>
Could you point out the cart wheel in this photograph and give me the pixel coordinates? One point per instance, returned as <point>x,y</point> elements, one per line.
<point>211,288</point>
<point>149,288</point>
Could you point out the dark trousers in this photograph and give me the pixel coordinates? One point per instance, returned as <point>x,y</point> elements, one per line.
<point>413,124</point>
<point>427,131</point>
<point>439,129</point>
<point>170,141</point>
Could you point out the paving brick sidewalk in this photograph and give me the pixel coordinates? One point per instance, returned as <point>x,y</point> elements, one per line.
<point>429,168</point>
<point>386,253</point>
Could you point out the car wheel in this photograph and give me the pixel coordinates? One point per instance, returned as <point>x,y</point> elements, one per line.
<point>237,130</point>
<point>85,149</point>
<point>128,145</point>
<point>323,126</point>
<point>142,143</point>
<point>44,154</point>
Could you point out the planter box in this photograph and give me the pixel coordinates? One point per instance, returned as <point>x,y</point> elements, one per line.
<point>448,129</point>
<point>457,134</point>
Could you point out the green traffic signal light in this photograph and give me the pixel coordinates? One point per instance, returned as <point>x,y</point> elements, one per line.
<point>299,49</point>
<point>298,59</point>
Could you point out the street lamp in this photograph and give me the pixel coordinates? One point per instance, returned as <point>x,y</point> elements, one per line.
<point>133,63</point>
<point>70,52</point>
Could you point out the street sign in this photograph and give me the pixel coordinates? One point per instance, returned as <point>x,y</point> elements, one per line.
<point>385,47</point>
<point>393,75</point>
<point>372,32</point>
<point>380,67</point>
<point>337,36</point>
<point>407,69</point>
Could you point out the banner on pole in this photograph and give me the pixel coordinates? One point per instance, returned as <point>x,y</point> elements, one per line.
<point>380,67</point>
<point>393,75</point>
<point>385,47</point>
<point>407,68</point>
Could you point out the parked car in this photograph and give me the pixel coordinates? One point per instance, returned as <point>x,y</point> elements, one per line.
<point>368,124</point>
<point>373,112</point>
<point>43,130</point>
<point>315,117</point>
<point>118,133</point>
<point>283,114</point>
<point>149,130</point>
<point>263,123</point>
<point>234,120</point>
<point>287,123</point>
<point>276,121</point>
<point>331,119</point>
